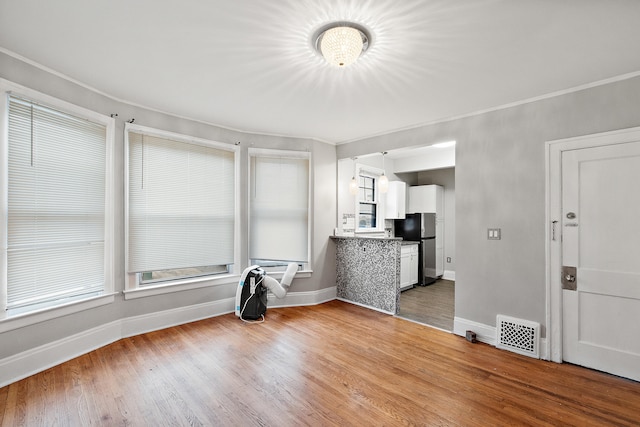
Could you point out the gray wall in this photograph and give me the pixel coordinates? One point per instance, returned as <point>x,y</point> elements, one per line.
<point>499,178</point>
<point>323,197</point>
<point>500,182</point>
<point>447,179</point>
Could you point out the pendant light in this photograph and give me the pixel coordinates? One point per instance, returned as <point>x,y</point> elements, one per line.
<point>383,181</point>
<point>353,185</point>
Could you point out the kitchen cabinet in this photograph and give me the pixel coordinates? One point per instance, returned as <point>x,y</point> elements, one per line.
<point>409,258</point>
<point>427,199</point>
<point>396,200</point>
<point>413,264</point>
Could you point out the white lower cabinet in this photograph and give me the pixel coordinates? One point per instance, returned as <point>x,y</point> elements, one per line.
<point>413,266</point>
<point>409,258</point>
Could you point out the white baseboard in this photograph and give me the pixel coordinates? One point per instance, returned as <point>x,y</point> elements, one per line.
<point>484,333</point>
<point>32,361</point>
<point>296,299</point>
<point>544,354</point>
<point>144,323</point>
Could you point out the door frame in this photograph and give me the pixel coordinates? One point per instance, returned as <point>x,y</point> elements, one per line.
<point>553,248</point>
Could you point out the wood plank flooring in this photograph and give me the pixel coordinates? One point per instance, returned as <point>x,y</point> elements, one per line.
<point>334,364</point>
<point>432,305</point>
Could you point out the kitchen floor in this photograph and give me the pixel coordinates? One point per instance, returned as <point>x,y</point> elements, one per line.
<point>432,305</point>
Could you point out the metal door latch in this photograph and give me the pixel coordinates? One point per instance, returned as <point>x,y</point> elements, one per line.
<point>569,278</point>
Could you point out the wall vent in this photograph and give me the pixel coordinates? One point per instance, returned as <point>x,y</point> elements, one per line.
<point>517,335</point>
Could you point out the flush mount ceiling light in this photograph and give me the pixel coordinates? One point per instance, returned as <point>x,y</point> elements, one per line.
<point>341,43</point>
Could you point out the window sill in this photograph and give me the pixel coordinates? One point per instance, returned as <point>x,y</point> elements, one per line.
<point>300,274</point>
<point>25,319</point>
<point>370,232</point>
<point>197,283</point>
<point>180,285</point>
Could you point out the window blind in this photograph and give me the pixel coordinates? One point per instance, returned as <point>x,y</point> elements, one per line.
<point>279,208</point>
<point>56,205</point>
<point>181,204</point>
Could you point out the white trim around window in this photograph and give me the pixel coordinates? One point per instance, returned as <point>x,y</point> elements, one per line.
<point>55,309</point>
<point>375,173</point>
<point>275,230</point>
<point>133,286</point>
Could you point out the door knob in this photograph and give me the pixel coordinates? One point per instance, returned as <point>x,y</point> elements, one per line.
<point>569,278</point>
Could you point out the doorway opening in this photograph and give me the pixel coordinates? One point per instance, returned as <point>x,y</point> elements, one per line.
<point>434,304</point>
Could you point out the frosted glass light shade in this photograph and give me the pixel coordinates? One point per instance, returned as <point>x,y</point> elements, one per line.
<point>383,183</point>
<point>341,46</point>
<point>341,43</point>
<point>353,186</point>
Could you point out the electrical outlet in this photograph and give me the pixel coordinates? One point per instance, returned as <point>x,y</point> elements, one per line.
<point>449,259</point>
<point>494,233</point>
<point>471,336</point>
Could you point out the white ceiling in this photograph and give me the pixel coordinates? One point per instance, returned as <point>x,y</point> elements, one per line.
<point>249,65</point>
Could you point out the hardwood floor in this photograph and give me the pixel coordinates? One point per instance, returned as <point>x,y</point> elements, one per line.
<point>326,365</point>
<point>432,305</point>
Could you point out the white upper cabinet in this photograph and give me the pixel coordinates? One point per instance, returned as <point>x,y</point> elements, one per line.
<point>427,199</point>
<point>396,200</point>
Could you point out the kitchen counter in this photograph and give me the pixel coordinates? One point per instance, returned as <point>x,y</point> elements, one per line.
<point>368,271</point>
<point>367,237</point>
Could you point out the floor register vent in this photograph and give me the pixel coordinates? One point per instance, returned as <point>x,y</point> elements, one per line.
<point>517,335</point>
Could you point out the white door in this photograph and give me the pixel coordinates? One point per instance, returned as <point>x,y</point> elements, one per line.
<point>601,239</point>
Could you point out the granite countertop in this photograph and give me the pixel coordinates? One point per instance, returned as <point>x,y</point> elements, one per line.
<point>368,238</point>
<point>383,238</point>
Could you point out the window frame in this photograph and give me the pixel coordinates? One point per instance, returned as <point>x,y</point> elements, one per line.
<point>292,154</point>
<point>378,202</point>
<point>133,287</point>
<point>55,309</point>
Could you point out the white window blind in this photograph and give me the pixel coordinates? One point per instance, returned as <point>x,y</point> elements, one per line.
<point>279,208</point>
<point>56,205</point>
<point>181,204</point>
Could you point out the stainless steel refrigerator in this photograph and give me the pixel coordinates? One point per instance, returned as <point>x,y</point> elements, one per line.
<point>421,227</point>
